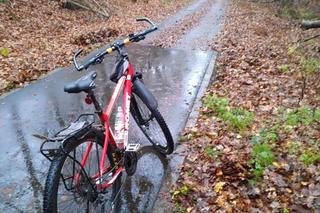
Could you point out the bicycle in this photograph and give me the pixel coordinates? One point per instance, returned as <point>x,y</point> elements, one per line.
<point>88,159</point>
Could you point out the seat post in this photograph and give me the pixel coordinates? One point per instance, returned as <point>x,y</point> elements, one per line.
<point>95,102</point>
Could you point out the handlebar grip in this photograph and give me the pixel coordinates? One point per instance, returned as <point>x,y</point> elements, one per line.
<point>88,63</point>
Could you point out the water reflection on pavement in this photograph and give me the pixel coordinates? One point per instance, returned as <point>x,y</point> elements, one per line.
<point>43,108</point>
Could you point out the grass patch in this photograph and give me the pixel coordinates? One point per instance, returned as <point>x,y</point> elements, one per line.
<point>261,157</point>
<point>14,17</point>
<point>211,152</point>
<point>285,210</point>
<point>284,68</point>
<point>219,105</point>
<point>317,114</point>
<point>309,65</point>
<point>303,115</point>
<point>190,172</point>
<point>184,138</point>
<point>184,190</point>
<point>293,147</point>
<point>180,208</point>
<point>309,157</point>
<point>265,136</point>
<point>236,118</point>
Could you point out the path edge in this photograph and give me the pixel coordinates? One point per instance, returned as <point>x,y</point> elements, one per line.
<point>163,202</point>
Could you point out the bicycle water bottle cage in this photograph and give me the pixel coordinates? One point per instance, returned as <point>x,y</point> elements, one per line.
<point>83,84</point>
<point>119,69</point>
<point>76,130</point>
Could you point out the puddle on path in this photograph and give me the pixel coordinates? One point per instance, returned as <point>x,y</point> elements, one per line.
<point>43,108</point>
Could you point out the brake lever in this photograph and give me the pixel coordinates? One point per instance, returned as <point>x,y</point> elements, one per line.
<point>79,68</point>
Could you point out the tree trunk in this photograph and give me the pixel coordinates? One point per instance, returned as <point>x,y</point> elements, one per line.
<point>307,24</point>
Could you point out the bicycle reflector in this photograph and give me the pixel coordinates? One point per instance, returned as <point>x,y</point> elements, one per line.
<point>88,100</point>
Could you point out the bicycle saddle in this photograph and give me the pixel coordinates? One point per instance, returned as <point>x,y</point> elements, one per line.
<point>83,84</point>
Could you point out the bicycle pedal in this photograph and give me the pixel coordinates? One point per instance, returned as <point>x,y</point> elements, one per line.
<point>132,147</point>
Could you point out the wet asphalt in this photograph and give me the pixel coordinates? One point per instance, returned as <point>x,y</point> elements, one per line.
<point>173,76</point>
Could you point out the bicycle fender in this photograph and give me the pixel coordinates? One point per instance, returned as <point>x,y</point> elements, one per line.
<point>146,96</point>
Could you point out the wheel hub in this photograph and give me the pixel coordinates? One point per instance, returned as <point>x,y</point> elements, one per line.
<point>85,190</point>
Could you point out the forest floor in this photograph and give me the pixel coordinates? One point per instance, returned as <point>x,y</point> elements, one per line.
<point>256,144</point>
<point>255,147</point>
<point>39,36</point>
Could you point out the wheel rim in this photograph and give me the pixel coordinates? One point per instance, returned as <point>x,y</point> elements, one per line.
<point>150,126</point>
<point>81,197</point>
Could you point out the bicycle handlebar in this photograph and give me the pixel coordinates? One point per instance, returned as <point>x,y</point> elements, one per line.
<point>136,37</point>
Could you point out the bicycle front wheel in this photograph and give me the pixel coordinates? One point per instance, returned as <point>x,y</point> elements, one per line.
<point>72,188</point>
<point>152,124</point>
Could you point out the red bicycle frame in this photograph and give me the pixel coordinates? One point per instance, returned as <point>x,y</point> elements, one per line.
<point>123,84</point>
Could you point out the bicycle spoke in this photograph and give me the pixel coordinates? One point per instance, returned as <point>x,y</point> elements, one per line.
<point>117,195</point>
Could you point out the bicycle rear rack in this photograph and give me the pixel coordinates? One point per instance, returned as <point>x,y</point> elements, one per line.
<point>52,146</point>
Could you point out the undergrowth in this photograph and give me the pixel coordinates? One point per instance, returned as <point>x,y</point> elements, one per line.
<point>262,154</point>
<point>235,118</point>
<point>261,157</point>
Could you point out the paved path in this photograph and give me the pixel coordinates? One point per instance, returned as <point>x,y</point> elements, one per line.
<point>173,75</point>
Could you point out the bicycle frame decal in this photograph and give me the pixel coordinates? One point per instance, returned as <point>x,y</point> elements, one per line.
<point>123,83</point>
<point>126,104</point>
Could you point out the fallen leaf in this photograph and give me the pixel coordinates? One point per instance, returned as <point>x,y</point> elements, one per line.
<point>218,187</point>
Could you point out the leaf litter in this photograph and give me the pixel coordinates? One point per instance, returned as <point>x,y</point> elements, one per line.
<point>273,164</point>
<point>39,36</point>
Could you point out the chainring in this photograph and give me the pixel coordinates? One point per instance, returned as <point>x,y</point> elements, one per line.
<point>130,162</point>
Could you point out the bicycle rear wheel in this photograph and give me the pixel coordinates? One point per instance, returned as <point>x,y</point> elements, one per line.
<point>71,188</point>
<point>152,124</point>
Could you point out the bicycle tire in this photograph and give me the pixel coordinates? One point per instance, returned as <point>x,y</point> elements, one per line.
<point>54,177</point>
<point>139,107</point>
